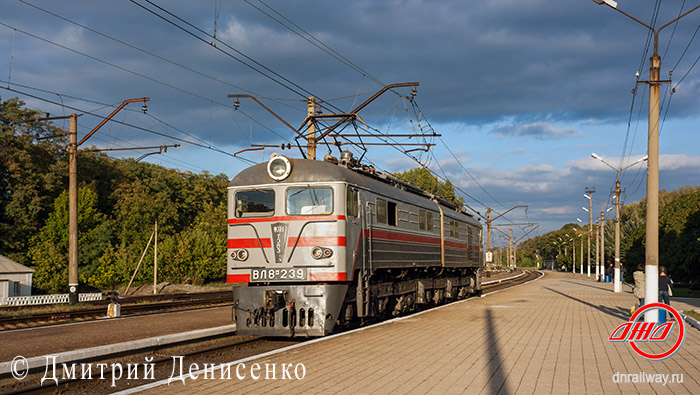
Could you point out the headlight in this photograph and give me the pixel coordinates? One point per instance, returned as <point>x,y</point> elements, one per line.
<point>242,255</point>
<point>279,168</point>
<point>239,255</point>
<point>320,252</point>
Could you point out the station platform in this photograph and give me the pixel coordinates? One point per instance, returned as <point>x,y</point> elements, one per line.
<point>61,338</point>
<point>544,337</point>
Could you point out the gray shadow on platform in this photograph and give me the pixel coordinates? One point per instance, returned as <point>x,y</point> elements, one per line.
<point>617,312</point>
<point>589,285</point>
<point>497,381</point>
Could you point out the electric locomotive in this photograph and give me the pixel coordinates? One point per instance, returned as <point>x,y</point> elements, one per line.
<point>317,245</point>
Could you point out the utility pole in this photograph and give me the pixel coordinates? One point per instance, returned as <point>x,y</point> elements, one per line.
<point>490,220</point>
<point>488,237</point>
<point>597,250</point>
<point>155,260</point>
<point>589,191</point>
<point>73,210</point>
<point>311,132</point>
<point>511,247</point>
<point>602,246</point>
<point>617,283</point>
<point>73,279</point>
<point>580,236</point>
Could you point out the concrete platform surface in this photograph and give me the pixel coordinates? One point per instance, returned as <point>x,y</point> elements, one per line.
<point>546,337</point>
<point>32,342</point>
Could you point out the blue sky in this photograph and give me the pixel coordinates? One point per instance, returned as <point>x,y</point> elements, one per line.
<point>522,92</point>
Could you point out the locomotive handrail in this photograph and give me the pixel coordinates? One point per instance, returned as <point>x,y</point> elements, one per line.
<point>442,234</point>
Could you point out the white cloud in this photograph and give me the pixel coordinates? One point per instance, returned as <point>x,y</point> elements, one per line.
<point>557,210</point>
<point>539,130</point>
<point>675,162</point>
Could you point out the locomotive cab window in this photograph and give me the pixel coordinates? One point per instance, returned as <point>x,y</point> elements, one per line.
<point>309,201</point>
<point>381,211</point>
<point>454,229</point>
<point>353,202</point>
<point>425,220</point>
<point>255,203</point>
<point>392,213</point>
<point>386,212</point>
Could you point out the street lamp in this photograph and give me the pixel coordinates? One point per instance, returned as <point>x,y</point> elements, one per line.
<point>611,3</point>
<point>617,281</point>
<point>599,262</point>
<point>651,253</point>
<point>589,191</point>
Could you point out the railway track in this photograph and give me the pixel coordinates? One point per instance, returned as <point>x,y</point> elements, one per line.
<point>163,366</point>
<point>527,276</point>
<point>129,306</point>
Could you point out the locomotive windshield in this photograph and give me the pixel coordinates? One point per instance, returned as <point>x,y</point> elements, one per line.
<point>255,203</point>
<point>309,201</point>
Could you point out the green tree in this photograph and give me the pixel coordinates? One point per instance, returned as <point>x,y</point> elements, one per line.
<point>199,253</point>
<point>32,174</point>
<point>50,246</point>
<point>423,179</point>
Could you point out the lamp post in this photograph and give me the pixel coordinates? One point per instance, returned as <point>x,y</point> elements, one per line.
<point>580,235</point>
<point>602,241</point>
<point>589,191</point>
<point>651,252</point>
<point>617,283</point>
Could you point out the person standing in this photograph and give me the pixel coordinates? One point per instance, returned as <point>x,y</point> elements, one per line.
<point>664,286</point>
<point>639,284</point>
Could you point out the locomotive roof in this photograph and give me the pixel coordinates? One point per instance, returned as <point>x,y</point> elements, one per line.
<point>303,170</point>
<point>306,170</point>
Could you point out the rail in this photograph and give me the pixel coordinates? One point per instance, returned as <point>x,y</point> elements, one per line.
<point>503,279</point>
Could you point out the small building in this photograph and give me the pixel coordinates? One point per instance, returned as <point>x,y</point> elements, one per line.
<point>550,264</point>
<point>15,279</point>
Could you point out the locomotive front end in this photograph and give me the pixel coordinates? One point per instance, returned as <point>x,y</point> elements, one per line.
<point>286,249</point>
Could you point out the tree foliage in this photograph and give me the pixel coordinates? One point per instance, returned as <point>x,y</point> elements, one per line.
<point>119,203</point>
<point>423,179</point>
<point>679,236</point>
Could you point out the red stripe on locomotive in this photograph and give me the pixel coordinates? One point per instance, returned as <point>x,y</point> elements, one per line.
<point>249,243</point>
<point>325,241</point>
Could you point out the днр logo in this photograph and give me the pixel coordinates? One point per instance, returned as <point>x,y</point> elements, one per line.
<point>634,331</point>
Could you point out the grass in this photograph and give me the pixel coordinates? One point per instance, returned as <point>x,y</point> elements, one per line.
<point>685,293</point>
<point>39,309</point>
<point>692,314</point>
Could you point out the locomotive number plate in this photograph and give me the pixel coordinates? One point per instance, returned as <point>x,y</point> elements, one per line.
<point>278,274</point>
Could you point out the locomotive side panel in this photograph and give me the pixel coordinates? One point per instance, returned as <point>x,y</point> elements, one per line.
<point>407,233</point>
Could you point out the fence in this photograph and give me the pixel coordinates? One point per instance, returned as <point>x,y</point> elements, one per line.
<point>46,299</point>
